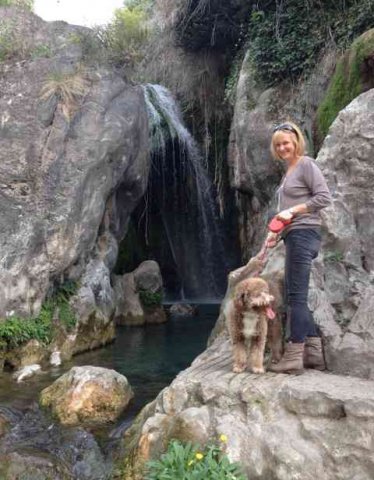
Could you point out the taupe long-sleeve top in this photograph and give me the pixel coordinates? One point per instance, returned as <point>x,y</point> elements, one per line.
<point>305,184</point>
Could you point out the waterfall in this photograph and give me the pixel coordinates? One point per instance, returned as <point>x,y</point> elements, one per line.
<point>185,198</point>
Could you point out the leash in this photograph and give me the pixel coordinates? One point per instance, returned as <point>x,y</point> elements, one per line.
<point>261,256</point>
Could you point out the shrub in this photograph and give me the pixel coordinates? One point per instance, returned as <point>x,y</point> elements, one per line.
<point>15,331</point>
<point>189,462</point>
<point>286,38</point>
<point>126,36</point>
<point>150,299</point>
<point>11,43</point>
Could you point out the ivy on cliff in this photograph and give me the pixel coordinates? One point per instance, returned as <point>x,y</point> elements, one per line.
<point>286,37</point>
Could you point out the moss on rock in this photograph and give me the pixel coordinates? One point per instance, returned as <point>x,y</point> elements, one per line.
<point>353,75</point>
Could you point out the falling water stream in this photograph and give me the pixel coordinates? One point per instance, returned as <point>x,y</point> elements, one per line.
<point>181,194</point>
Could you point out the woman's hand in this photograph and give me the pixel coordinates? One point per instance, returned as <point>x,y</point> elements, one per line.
<point>285,215</point>
<point>271,240</point>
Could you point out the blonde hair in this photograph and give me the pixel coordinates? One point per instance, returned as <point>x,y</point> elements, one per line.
<point>297,137</point>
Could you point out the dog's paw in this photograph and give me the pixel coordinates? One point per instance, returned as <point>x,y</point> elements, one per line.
<point>237,368</point>
<point>258,370</point>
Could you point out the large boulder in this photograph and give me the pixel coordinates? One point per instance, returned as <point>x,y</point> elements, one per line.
<point>87,395</point>
<point>278,426</point>
<point>73,166</point>
<point>138,296</point>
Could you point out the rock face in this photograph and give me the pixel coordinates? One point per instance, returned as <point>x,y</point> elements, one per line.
<point>344,286</point>
<point>278,426</point>
<point>253,173</point>
<point>88,395</point>
<point>137,296</point>
<point>72,171</point>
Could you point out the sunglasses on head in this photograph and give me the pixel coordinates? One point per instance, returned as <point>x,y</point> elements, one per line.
<point>286,127</point>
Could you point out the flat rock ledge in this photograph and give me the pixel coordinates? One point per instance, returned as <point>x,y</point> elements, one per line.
<point>87,395</point>
<point>279,427</point>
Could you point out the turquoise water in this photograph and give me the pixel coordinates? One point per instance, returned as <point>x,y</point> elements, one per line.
<point>150,357</point>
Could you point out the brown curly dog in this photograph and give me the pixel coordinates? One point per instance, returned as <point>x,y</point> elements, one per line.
<point>247,315</point>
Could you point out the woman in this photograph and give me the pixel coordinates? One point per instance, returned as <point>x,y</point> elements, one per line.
<point>303,192</point>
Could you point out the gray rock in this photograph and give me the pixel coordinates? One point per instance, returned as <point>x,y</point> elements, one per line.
<point>148,277</point>
<point>71,174</point>
<point>129,310</point>
<point>278,426</point>
<point>183,310</point>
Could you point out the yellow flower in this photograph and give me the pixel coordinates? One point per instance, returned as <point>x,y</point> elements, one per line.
<point>223,438</point>
<point>199,456</point>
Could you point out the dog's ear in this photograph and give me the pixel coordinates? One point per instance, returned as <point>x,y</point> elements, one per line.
<point>241,300</point>
<point>261,300</point>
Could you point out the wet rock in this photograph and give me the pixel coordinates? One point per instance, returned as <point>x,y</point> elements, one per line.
<point>26,372</point>
<point>32,352</point>
<point>34,448</point>
<point>55,359</point>
<point>87,395</point>
<point>183,309</point>
<point>155,314</point>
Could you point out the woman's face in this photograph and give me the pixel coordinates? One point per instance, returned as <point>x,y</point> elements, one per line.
<point>285,147</point>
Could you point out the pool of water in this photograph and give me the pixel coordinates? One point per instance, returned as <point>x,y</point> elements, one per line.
<point>150,357</point>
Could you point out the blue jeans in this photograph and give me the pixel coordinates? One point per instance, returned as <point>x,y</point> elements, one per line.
<point>302,246</point>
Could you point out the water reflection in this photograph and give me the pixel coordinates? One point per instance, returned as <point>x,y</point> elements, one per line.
<point>150,357</point>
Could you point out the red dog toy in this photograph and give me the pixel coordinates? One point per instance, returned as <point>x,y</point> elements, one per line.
<point>277,226</point>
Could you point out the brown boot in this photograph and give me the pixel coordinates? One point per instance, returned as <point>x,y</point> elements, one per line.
<point>313,354</point>
<point>292,360</point>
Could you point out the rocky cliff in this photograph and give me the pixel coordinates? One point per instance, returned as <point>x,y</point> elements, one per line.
<point>283,427</point>
<point>74,163</point>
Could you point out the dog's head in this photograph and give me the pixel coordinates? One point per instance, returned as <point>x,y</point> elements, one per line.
<point>253,293</point>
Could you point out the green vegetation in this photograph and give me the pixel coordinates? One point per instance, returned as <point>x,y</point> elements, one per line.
<point>286,38</point>
<point>347,82</point>
<point>42,51</point>
<point>28,4</point>
<point>126,36</point>
<point>189,462</point>
<point>150,299</point>
<point>11,44</point>
<point>15,331</point>
<point>333,256</point>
